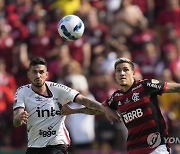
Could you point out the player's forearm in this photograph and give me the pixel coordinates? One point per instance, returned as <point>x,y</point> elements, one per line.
<point>173,87</point>
<point>91,104</point>
<point>86,110</point>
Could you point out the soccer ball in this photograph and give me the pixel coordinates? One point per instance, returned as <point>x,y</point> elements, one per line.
<point>71,27</point>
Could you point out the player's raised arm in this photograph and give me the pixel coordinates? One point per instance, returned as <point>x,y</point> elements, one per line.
<point>20,117</point>
<point>172,87</point>
<point>67,110</point>
<point>95,105</point>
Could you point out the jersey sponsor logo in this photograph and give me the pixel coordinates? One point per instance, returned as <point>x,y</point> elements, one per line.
<point>118,94</point>
<point>134,114</point>
<point>154,81</point>
<point>110,100</point>
<point>38,98</point>
<point>135,97</point>
<point>45,112</point>
<point>127,101</point>
<point>153,85</point>
<point>119,103</point>
<point>47,133</point>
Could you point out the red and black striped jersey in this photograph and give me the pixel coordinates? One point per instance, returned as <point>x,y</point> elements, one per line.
<point>141,114</point>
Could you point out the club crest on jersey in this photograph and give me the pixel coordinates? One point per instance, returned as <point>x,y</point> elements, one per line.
<point>135,97</point>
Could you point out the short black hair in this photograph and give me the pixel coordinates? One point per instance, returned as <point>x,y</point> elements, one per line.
<point>38,61</point>
<point>124,60</point>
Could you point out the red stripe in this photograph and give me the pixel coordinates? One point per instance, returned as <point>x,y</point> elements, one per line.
<point>139,128</point>
<point>143,100</point>
<point>164,87</point>
<point>67,137</point>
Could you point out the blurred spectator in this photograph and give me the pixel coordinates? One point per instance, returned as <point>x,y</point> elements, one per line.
<point>81,126</point>
<point>170,14</point>
<point>130,13</point>
<point>141,35</point>
<point>151,56</point>
<point>7,89</point>
<point>19,30</point>
<point>80,50</point>
<point>171,61</point>
<point>96,32</point>
<point>39,44</point>
<point>6,79</point>
<point>6,43</point>
<point>68,7</point>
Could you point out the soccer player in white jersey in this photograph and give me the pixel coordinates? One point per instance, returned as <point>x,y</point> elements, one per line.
<point>39,105</point>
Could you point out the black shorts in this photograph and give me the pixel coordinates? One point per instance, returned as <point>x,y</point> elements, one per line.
<point>50,149</point>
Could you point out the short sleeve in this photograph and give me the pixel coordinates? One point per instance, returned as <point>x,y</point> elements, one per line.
<point>154,86</point>
<point>19,99</point>
<point>110,103</point>
<point>65,94</point>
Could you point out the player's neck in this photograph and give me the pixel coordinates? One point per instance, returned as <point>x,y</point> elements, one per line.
<point>127,87</point>
<point>41,90</point>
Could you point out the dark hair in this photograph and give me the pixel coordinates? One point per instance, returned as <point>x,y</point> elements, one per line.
<point>38,61</point>
<point>124,60</point>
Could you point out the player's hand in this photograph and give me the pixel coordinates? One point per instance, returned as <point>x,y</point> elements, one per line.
<point>66,110</point>
<point>22,117</point>
<point>112,115</point>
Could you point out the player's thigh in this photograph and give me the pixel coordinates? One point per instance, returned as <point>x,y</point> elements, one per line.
<point>34,151</point>
<point>160,150</point>
<point>57,149</point>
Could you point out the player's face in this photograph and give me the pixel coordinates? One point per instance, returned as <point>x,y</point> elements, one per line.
<point>37,75</point>
<point>124,75</point>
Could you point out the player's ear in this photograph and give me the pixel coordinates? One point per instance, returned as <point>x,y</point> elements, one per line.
<point>47,74</point>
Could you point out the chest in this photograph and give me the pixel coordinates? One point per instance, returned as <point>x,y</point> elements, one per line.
<point>39,106</point>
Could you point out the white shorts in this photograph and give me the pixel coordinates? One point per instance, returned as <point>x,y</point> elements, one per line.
<point>162,149</point>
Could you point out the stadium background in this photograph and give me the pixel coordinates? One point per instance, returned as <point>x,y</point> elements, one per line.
<point>146,31</point>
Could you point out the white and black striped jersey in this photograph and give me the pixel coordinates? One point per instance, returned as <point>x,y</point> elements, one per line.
<point>45,125</point>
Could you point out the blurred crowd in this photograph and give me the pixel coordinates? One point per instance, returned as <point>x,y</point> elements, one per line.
<point>145,31</point>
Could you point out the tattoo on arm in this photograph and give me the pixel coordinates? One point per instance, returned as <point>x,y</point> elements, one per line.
<point>91,104</point>
<point>86,110</point>
<point>173,88</point>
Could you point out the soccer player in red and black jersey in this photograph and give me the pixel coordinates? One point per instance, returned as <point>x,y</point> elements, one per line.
<point>137,103</point>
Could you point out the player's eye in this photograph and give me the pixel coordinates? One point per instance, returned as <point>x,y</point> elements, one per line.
<point>41,71</point>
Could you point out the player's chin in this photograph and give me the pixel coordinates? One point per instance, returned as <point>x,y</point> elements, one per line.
<point>38,84</point>
<point>123,84</point>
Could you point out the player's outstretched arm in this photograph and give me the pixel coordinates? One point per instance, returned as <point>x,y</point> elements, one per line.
<point>111,115</point>
<point>20,117</point>
<point>172,87</point>
<point>67,110</point>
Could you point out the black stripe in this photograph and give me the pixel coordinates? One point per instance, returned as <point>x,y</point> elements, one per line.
<point>142,106</point>
<point>142,120</point>
<point>141,134</point>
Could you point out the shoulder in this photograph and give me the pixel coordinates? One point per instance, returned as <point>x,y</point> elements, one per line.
<point>54,85</point>
<point>23,88</point>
